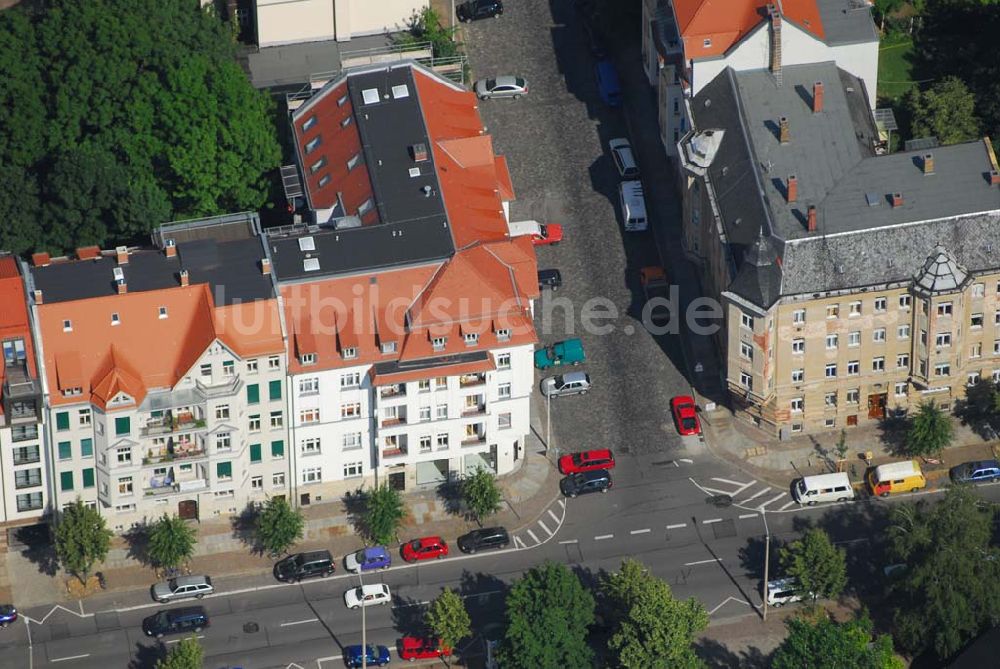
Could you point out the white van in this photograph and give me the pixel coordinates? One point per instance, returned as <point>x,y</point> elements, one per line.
<point>633,206</point>
<point>783,591</point>
<point>823,488</point>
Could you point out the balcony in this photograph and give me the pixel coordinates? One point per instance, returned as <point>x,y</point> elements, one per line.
<point>395,390</point>
<point>175,481</point>
<point>24,433</point>
<point>474,434</point>
<point>397,417</point>
<point>29,480</point>
<point>393,452</point>
<point>224,387</point>
<point>174,488</point>
<point>474,405</point>
<point>179,450</point>
<point>26,455</point>
<point>471,380</point>
<point>170,422</point>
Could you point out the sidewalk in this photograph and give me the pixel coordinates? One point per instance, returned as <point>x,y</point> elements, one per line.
<point>30,578</point>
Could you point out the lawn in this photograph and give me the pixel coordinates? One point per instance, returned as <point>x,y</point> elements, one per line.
<point>895,68</point>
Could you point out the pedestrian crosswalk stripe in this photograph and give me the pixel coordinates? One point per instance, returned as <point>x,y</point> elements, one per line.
<point>547,530</point>
<point>532,535</point>
<point>756,495</point>
<point>773,499</point>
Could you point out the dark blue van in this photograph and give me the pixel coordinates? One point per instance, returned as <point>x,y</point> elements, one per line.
<point>607,83</point>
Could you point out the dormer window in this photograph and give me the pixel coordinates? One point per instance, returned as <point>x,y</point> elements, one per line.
<point>324,180</point>
<point>388,347</point>
<point>350,353</point>
<point>116,319</point>
<point>308,358</point>
<point>471,339</point>
<point>706,43</point>
<point>503,334</point>
<point>353,161</point>
<point>69,392</point>
<point>67,325</point>
<point>310,122</point>
<point>439,343</point>
<point>365,207</point>
<point>317,166</point>
<point>313,143</point>
<point>163,312</point>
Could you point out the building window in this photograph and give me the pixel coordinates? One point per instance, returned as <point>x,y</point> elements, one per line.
<point>976,350</point>
<point>253,394</point>
<point>425,414</point>
<point>205,370</point>
<point>854,309</point>
<point>798,346</point>
<point>942,369</point>
<point>830,399</point>
<point>274,390</point>
<point>442,442</point>
<point>425,444</point>
<point>224,470</point>
<point>252,366</point>
<point>503,391</point>
<point>256,482</point>
<point>796,427</point>
<point>831,341</point>
<point>471,338</point>
<point>972,379</point>
<point>278,449</point>
<point>350,410</point>
<point>388,347</point>
<point>66,481</point>
<point>353,162</point>
<point>441,412</point>
<point>223,441</point>
<point>922,366</point>
<point>312,475</point>
<point>830,422</point>
<point>504,421</point>
<point>503,334</point>
<point>123,426</point>
<point>88,477</point>
<point>352,470</point>
<point>274,362</point>
<point>853,339</point>
<point>31,501</point>
<point>349,353</point>
<point>923,337</point>
<point>255,453</point>
<point>365,207</point>
<point>278,480</point>
<point>310,122</point>
<point>878,364</point>
<point>976,321</point>
<point>878,335</point>
<point>831,371</point>
<point>125,485</point>
<point>746,351</point>
<point>440,382</point>
<point>996,376</point>
<point>900,389</point>
<point>65,450</point>
<point>798,375</point>
<point>313,143</point>
<point>996,347</point>
<point>307,416</point>
<point>942,339</point>
<point>746,320</point>
<point>853,395</point>
<point>87,447</point>
<point>222,412</point>
<point>746,380</point>
<point>944,309</point>
<point>832,310</point>
<point>880,303</point>
<point>978,289</point>
<point>707,42</point>
<point>67,326</point>
<point>351,441</point>
<point>124,456</point>
<point>853,368</point>
<point>277,420</point>
<point>423,385</point>
<point>503,361</point>
<point>439,343</point>
<point>903,361</point>
<point>317,166</point>
<point>797,404</point>
<point>351,380</point>
<point>903,332</point>
<point>904,301</point>
<point>799,316</point>
<point>309,385</point>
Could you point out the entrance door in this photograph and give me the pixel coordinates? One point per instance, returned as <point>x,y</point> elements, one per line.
<point>876,405</point>
<point>188,509</point>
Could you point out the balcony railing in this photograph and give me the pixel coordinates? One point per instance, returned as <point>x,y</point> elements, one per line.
<point>469,380</point>
<point>24,433</point>
<point>21,482</point>
<point>30,457</point>
<point>474,439</point>
<point>474,410</point>
<point>171,454</point>
<point>397,390</point>
<point>178,487</point>
<point>228,386</point>
<point>394,451</point>
<point>168,424</point>
<point>390,422</point>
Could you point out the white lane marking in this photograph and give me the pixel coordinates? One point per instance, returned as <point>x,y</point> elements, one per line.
<point>687,461</point>
<point>300,622</point>
<point>554,516</point>
<point>518,543</point>
<point>547,530</point>
<point>773,499</point>
<point>197,636</point>
<point>756,495</point>
<point>786,505</point>
<point>743,487</point>
<point>532,535</point>
<point>677,526</point>
<point>735,483</point>
<point>731,599</point>
<point>602,537</point>
<point>710,521</point>
<point>645,531</point>
<point>744,516</point>
<point>57,607</point>
<point>71,657</point>
<point>570,541</point>
<point>691,564</point>
<point>562,503</point>
<point>409,604</point>
<point>332,658</point>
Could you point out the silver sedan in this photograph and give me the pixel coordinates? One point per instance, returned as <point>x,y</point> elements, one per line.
<point>501,87</point>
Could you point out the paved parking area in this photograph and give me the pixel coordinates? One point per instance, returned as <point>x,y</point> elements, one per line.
<point>555,140</point>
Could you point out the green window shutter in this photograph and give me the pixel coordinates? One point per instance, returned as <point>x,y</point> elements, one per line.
<point>66,481</point>
<point>274,390</point>
<point>87,447</point>
<point>278,449</point>
<point>224,470</point>
<point>88,478</point>
<point>123,426</point>
<point>65,450</point>
<point>255,455</point>
<point>253,394</point>
<point>62,420</point>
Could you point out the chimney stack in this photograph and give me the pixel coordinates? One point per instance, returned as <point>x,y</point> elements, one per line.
<point>184,277</point>
<point>38,296</point>
<point>817,97</point>
<point>40,259</point>
<point>121,252</point>
<point>122,286</point>
<point>419,152</point>
<point>793,188</point>
<point>775,44</point>
<point>811,221</point>
<point>897,200</point>
<point>784,134</point>
<point>170,248</point>
<point>265,266</point>
<point>994,177</point>
<point>928,163</point>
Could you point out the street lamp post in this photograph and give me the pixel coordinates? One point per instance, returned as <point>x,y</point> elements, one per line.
<point>767,558</point>
<point>364,626</point>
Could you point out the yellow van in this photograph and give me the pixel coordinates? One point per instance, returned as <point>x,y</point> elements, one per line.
<point>896,477</point>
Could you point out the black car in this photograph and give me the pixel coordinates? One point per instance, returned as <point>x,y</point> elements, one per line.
<point>175,621</point>
<point>304,565</point>
<point>596,480</point>
<point>549,278</point>
<point>473,10</point>
<point>488,537</point>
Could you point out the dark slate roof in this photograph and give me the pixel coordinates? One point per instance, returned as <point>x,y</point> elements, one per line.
<point>846,21</point>
<point>759,277</point>
<point>888,255</point>
<point>231,268</point>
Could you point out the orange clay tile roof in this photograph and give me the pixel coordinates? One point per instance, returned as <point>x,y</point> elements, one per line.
<point>14,314</point>
<point>723,23</point>
<point>144,351</point>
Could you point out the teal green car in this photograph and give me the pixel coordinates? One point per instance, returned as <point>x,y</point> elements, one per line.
<point>569,352</point>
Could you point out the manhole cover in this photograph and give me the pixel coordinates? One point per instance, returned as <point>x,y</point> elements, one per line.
<point>720,500</point>
<point>251,628</point>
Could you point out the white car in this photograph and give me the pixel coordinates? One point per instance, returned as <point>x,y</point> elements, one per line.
<point>621,153</point>
<point>501,87</point>
<point>367,595</point>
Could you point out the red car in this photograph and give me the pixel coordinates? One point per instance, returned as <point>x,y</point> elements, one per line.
<point>548,233</point>
<point>584,461</point>
<point>684,415</point>
<point>414,648</point>
<point>425,548</point>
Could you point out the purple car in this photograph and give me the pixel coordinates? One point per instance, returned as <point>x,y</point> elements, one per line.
<point>367,559</point>
<point>8,614</point>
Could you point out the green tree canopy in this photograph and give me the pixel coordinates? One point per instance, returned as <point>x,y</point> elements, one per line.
<point>384,513</point>
<point>930,431</point>
<point>170,541</point>
<point>818,565</point>
<point>481,493</point>
<point>650,628</point>
<point>950,589</point>
<point>187,654</point>
<point>826,644</point>
<point>947,110</point>
<point>548,613</point>
<point>278,526</point>
<point>123,114</point>
<point>448,619</point>
<point>81,539</point>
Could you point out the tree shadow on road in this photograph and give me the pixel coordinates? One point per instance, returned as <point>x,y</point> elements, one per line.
<point>137,539</point>
<point>484,596</point>
<point>146,657</point>
<point>752,557</point>
<point>408,616</point>
<point>243,526</point>
<point>450,492</point>
<point>38,548</point>
<point>356,505</point>
<point>717,656</point>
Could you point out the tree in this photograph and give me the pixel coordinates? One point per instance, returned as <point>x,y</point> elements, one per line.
<point>818,565</point>
<point>947,110</point>
<point>930,431</point>
<point>425,26</point>
<point>188,654</point>
<point>384,513</point>
<point>548,613</point>
<point>170,541</point>
<point>81,539</point>
<point>448,619</point>
<point>950,589</point>
<point>481,494</point>
<point>826,644</point>
<point>278,526</point>
<point>841,446</point>
<point>650,628</point>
